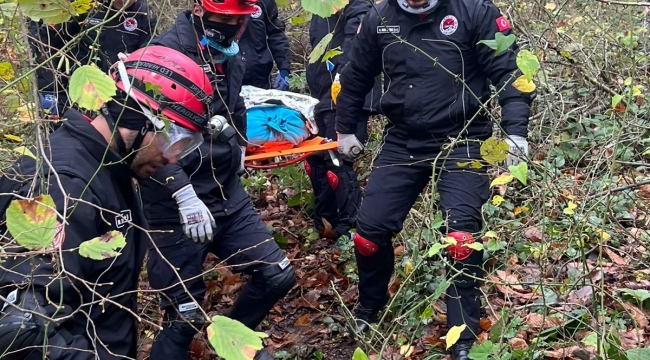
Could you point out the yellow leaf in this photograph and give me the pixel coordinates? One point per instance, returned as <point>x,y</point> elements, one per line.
<point>13,137</point>
<point>25,151</point>
<point>7,71</point>
<point>497,200</point>
<point>336,88</point>
<point>575,20</point>
<point>502,179</point>
<point>406,350</point>
<point>571,206</point>
<point>550,6</point>
<point>524,85</point>
<point>408,268</point>
<point>454,334</point>
<point>475,164</point>
<point>603,235</point>
<point>81,6</point>
<point>449,240</point>
<point>519,209</point>
<point>636,90</point>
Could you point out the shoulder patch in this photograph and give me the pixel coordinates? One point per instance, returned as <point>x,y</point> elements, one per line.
<point>502,23</point>
<point>257,12</point>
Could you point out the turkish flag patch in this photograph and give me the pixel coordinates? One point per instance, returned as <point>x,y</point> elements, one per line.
<point>502,23</point>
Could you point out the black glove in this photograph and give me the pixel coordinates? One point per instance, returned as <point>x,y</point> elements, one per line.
<point>22,333</point>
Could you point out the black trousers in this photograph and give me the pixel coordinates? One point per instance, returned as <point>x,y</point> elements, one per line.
<point>339,206</point>
<point>397,179</point>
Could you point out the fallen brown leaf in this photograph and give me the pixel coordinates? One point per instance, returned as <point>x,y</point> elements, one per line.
<point>538,321</point>
<point>639,316</point>
<point>533,234</point>
<point>303,320</point>
<point>485,324</point>
<point>518,344</point>
<point>398,250</point>
<point>617,259</point>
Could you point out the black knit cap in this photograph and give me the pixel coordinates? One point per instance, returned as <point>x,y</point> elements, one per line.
<point>122,110</point>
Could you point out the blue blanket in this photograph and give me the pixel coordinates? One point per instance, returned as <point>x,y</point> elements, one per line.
<point>275,123</point>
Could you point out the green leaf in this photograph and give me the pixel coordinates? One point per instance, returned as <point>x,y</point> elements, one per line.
<point>332,53</point>
<point>32,222</point>
<point>502,179</point>
<point>500,43</point>
<point>474,246</point>
<point>359,355</point>
<point>435,249</point>
<point>483,350</point>
<point>528,64</point>
<point>233,340</point>
<point>495,245</point>
<point>103,247</point>
<point>50,11</point>
<point>440,289</point>
<point>323,8</point>
<point>438,221</point>
<point>283,4</point>
<point>519,171</point>
<point>640,294</point>
<point>638,354</point>
<point>427,313</point>
<point>616,99</point>
<point>90,87</point>
<point>494,150</point>
<point>591,339</point>
<point>319,49</point>
<point>302,18</point>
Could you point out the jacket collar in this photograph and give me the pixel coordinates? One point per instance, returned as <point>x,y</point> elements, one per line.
<point>78,127</point>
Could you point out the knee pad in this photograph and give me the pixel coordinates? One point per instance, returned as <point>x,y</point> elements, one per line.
<point>332,179</point>
<point>364,246</point>
<point>277,280</point>
<point>307,168</point>
<point>460,251</point>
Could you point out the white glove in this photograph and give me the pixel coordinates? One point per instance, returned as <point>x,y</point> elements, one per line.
<point>243,155</point>
<point>518,147</point>
<point>195,216</point>
<point>349,146</point>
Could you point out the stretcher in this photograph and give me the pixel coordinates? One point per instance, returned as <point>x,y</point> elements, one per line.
<point>281,129</point>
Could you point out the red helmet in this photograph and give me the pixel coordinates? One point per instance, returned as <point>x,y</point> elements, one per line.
<point>229,7</point>
<point>169,83</point>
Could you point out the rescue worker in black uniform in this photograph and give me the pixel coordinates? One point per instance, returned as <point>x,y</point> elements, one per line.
<point>216,214</point>
<point>128,25</point>
<point>336,189</point>
<point>428,53</point>
<point>88,309</point>
<point>263,42</point>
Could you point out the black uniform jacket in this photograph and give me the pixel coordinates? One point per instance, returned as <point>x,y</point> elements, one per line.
<point>344,24</point>
<point>212,169</point>
<point>263,42</point>
<point>435,72</point>
<point>124,32</point>
<point>85,171</point>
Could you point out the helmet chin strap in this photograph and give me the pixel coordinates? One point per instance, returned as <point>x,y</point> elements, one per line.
<point>424,9</point>
<point>153,122</point>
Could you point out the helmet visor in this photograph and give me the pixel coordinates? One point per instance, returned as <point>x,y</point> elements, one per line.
<point>177,142</point>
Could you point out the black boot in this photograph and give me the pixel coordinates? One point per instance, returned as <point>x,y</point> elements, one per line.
<point>263,355</point>
<point>460,350</point>
<point>363,318</point>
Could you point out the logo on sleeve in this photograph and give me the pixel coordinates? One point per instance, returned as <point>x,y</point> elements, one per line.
<point>122,219</point>
<point>502,23</point>
<point>448,25</point>
<point>130,24</point>
<point>390,29</point>
<point>257,12</point>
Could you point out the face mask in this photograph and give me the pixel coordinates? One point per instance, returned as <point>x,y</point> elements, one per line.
<point>215,32</point>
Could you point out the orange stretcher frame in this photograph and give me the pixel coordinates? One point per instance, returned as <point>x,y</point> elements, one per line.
<point>271,150</point>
